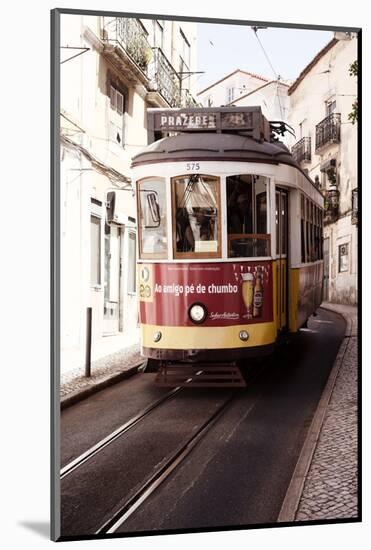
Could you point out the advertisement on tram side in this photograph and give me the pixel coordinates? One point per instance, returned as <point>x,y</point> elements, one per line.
<point>231,293</point>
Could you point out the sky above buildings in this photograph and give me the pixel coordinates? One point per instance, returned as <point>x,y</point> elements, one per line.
<point>224,48</point>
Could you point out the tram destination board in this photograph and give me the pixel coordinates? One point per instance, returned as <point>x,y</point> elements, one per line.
<point>245,120</point>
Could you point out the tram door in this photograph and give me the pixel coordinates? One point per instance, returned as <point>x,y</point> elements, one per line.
<point>281,255</point>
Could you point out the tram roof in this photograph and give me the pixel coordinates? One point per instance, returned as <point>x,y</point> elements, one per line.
<point>241,134</point>
<point>208,146</point>
<point>216,147</point>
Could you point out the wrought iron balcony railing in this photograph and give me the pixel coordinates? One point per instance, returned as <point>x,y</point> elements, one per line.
<point>328,130</point>
<point>132,37</point>
<point>166,78</point>
<point>158,73</point>
<point>301,151</point>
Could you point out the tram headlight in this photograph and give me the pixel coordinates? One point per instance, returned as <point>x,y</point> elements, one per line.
<point>197,313</point>
<point>157,336</point>
<point>244,335</point>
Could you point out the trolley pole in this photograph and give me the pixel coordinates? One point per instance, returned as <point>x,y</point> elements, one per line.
<point>88,342</point>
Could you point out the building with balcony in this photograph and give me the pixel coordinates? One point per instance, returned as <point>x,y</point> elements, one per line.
<point>112,70</point>
<point>326,148</point>
<point>242,89</point>
<point>302,150</point>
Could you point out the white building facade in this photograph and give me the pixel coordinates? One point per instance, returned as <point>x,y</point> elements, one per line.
<point>112,70</point>
<point>326,146</point>
<point>271,96</point>
<point>229,88</point>
<point>244,89</point>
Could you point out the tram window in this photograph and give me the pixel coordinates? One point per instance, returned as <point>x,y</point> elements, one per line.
<point>196,216</point>
<point>261,212</point>
<point>152,218</point>
<point>315,239</point>
<point>318,243</point>
<point>302,241</point>
<point>277,223</point>
<point>247,216</point>
<point>284,223</point>
<point>313,233</point>
<point>302,227</point>
<point>313,242</point>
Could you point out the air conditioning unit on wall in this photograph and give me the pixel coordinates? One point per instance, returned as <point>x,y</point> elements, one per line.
<point>117,208</point>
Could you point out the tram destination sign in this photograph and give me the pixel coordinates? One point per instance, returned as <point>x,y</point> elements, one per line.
<point>186,121</point>
<point>227,119</point>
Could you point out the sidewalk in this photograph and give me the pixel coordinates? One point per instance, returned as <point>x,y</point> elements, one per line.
<point>325,483</point>
<point>104,372</point>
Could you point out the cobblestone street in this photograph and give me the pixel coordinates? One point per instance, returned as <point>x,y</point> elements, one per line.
<point>330,490</point>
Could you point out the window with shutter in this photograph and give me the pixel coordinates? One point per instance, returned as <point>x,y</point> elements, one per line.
<point>119,103</point>
<point>116,116</point>
<point>113,97</point>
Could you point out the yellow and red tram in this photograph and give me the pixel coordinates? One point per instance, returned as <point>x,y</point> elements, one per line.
<point>229,236</point>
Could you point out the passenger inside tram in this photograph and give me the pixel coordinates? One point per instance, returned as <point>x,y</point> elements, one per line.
<point>185,240</point>
<point>202,228</point>
<point>196,214</point>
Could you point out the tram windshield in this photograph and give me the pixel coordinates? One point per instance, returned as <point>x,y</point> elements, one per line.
<point>247,216</point>
<point>153,220</point>
<point>197,216</point>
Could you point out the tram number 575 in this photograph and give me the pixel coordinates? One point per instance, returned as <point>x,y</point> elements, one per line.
<point>194,166</point>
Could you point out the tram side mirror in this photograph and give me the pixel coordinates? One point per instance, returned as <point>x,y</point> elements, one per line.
<point>153,218</point>
<point>154,208</point>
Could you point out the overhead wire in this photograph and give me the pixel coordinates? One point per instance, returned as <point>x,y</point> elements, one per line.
<point>265,53</point>
<point>277,76</point>
<point>113,175</point>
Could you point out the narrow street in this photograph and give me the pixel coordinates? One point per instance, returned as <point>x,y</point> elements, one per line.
<point>238,472</point>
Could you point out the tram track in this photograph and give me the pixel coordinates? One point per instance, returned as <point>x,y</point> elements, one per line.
<point>174,461</point>
<point>116,523</point>
<point>125,498</point>
<point>120,431</point>
<point>149,487</point>
<point>113,436</point>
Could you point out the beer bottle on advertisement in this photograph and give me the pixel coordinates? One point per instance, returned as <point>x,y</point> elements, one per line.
<point>258,295</point>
